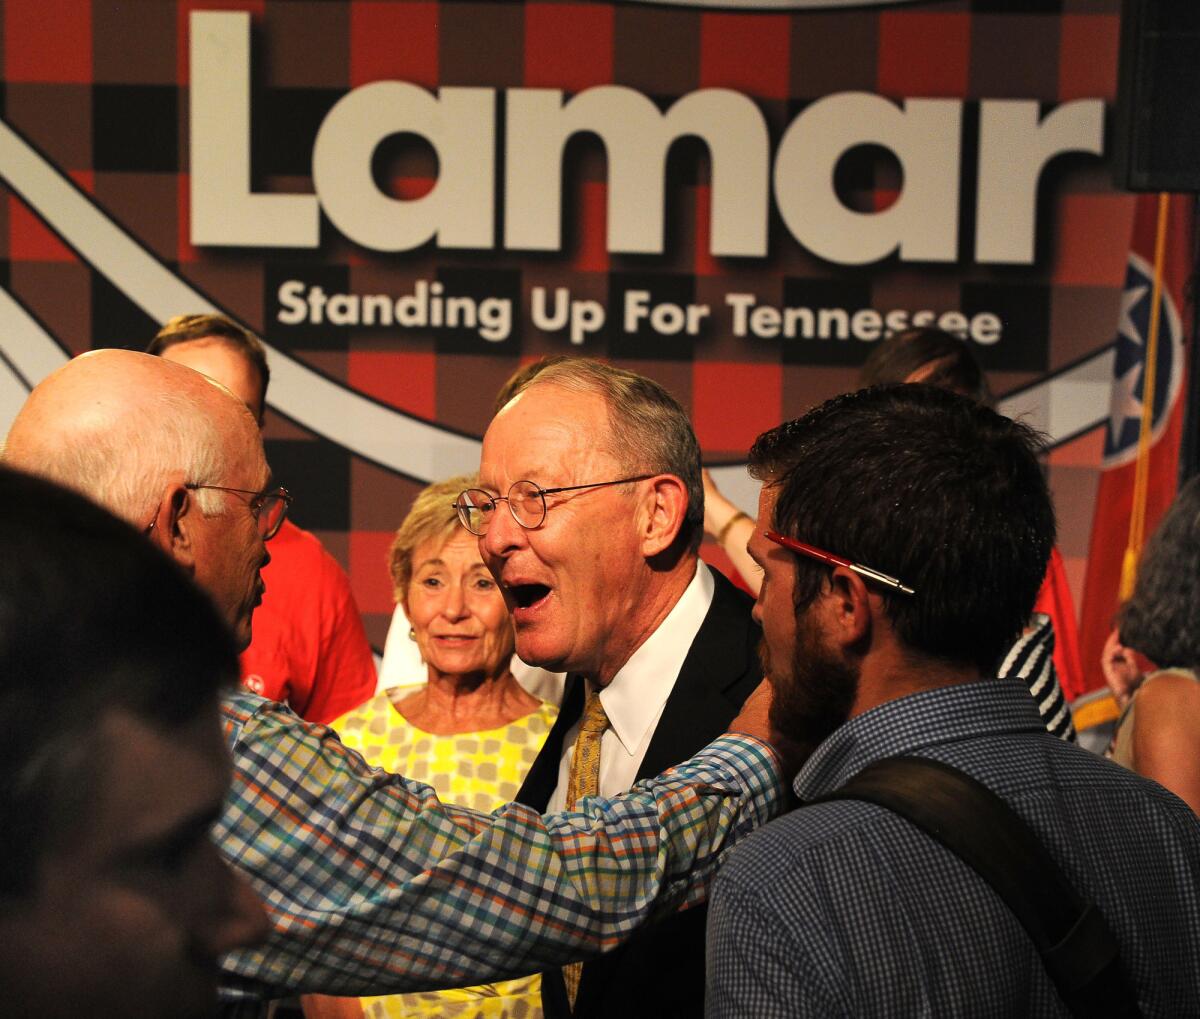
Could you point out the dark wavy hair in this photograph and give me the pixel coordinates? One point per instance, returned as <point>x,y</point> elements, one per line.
<point>930,487</point>
<point>1162,619</point>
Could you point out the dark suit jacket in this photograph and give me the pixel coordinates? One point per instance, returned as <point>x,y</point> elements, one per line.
<point>659,973</point>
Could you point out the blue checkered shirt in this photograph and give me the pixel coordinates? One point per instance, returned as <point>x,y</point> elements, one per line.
<point>845,909</point>
<point>373,885</point>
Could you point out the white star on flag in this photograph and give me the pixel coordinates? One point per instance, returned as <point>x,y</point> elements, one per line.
<point>1124,404</point>
<point>1130,299</point>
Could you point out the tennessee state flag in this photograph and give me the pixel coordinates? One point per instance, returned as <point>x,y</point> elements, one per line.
<point>1054,599</point>
<point>1115,502</point>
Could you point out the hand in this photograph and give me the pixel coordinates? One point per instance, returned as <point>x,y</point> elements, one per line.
<point>718,510</point>
<point>1120,668</point>
<point>755,720</point>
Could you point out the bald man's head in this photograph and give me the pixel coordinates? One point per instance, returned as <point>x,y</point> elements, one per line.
<point>160,445</point>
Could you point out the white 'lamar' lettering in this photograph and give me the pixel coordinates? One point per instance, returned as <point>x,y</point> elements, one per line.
<point>1015,144</point>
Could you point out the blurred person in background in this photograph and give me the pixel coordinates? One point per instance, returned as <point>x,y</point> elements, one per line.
<point>1158,735</point>
<point>469,730</point>
<point>309,649</point>
<point>927,355</point>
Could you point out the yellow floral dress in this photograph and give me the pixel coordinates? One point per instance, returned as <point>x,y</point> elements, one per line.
<point>483,770</point>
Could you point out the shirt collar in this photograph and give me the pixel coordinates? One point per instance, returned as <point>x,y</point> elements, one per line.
<point>945,715</point>
<point>634,699</point>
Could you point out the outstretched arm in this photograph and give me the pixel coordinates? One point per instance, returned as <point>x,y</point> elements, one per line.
<point>730,528</point>
<point>373,885</point>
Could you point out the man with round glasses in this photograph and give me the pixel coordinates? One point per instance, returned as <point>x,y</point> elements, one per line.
<point>371,884</point>
<point>589,513</point>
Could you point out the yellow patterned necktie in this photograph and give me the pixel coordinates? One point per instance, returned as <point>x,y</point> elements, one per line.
<point>584,780</point>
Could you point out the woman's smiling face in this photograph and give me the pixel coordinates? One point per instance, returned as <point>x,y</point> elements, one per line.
<point>456,610</point>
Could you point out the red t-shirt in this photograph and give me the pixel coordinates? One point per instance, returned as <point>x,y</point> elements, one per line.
<point>309,647</point>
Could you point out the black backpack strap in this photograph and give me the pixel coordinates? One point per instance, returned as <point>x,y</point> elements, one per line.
<point>1078,949</point>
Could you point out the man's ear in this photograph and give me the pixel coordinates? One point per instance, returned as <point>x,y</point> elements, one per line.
<point>173,528</point>
<point>665,507</point>
<point>851,608</point>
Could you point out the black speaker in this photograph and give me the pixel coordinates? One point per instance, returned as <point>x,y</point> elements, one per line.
<point>1157,128</point>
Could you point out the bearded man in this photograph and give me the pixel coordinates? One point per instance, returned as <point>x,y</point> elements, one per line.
<point>903,532</point>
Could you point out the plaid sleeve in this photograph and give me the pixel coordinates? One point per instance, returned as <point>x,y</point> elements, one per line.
<point>373,885</point>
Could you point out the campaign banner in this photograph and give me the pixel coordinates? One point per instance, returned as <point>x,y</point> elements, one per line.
<point>410,200</point>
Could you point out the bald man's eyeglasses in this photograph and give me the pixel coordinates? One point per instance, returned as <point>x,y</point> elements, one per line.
<point>269,507</point>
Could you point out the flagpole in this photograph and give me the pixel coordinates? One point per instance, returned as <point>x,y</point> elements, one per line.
<point>1189,457</point>
<point>1137,515</point>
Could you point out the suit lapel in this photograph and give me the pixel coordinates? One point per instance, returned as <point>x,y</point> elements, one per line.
<point>718,674</point>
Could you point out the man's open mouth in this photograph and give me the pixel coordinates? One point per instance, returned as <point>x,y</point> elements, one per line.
<point>527,595</point>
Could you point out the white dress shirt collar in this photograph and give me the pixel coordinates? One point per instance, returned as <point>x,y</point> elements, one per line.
<point>635,698</point>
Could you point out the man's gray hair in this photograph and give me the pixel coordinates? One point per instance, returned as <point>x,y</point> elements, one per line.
<point>648,430</point>
<point>124,464</point>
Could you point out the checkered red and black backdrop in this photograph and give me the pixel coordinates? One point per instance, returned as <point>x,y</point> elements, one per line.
<point>100,89</point>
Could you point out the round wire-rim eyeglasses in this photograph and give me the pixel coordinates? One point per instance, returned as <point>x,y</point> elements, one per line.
<point>526,502</point>
<point>269,507</point>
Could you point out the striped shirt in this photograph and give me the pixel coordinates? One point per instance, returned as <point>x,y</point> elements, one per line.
<point>846,909</point>
<point>373,885</point>
<point>1031,660</point>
